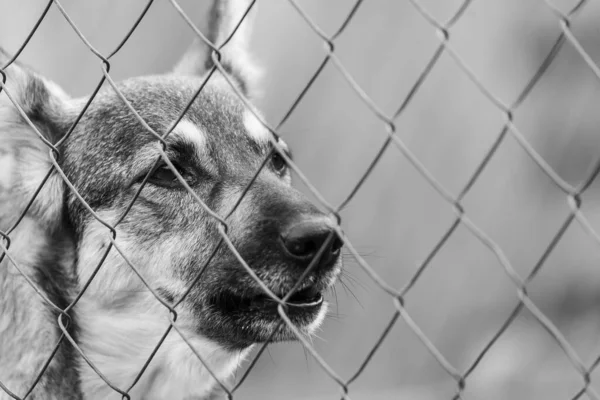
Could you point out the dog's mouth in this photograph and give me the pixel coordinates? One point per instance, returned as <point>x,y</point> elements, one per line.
<point>305,301</point>
<point>238,313</point>
<point>249,318</point>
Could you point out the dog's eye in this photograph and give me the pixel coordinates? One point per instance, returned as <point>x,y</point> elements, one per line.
<point>164,176</point>
<point>278,163</point>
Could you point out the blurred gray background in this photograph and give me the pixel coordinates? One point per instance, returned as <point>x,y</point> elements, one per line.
<point>394,221</point>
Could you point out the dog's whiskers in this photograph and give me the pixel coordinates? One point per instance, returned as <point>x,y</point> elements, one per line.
<point>348,290</point>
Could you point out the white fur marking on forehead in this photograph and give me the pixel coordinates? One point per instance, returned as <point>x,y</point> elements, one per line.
<point>255,129</point>
<point>283,144</point>
<point>191,133</point>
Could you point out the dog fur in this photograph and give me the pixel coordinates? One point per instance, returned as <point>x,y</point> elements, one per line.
<point>167,234</point>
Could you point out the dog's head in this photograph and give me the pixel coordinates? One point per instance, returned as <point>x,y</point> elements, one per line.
<point>169,233</point>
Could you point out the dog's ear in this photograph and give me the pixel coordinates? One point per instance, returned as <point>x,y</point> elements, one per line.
<point>223,19</point>
<point>24,157</point>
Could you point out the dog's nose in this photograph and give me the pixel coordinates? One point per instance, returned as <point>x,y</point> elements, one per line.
<point>303,239</point>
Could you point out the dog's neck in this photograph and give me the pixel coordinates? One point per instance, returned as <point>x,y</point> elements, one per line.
<point>117,340</point>
<point>119,343</point>
<point>121,323</point>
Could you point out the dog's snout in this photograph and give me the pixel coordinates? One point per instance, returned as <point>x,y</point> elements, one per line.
<point>303,239</point>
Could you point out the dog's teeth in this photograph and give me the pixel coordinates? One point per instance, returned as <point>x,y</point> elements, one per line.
<point>310,304</point>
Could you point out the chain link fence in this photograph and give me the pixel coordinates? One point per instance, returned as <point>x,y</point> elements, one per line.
<point>393,142</point>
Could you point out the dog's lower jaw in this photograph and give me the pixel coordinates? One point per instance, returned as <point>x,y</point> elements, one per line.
<point>119,344</point>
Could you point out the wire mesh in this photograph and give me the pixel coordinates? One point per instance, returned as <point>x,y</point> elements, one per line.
<point>443,30</point>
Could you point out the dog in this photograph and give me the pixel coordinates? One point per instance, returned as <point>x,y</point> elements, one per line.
<point>63,245</point>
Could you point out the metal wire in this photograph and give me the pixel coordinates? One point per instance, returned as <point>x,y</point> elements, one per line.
<point>396,295</point>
